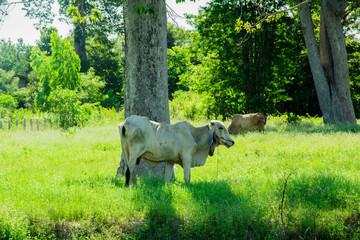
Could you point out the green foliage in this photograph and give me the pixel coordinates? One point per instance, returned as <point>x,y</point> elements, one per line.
<point>66,106</point>
<point>221,96</point>
<point>353,50</point>
<point>92,17</point>
<point>107,59</point>
<point>60,70</point>
<point>13,224</point>
<point>264,71</point>
<point>177,36</point>
<point>292,118</point>
<point>8,105</point>
<point>90,87</point>
<point>15,57</point>
<point>145,10</point>
<point>178,64</point>
<point>192,106</point>
<point>8,82</point>
<point>45,40</point>
<point>65,64</point>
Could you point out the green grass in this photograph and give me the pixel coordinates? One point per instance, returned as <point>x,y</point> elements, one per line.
<point>56,184</point>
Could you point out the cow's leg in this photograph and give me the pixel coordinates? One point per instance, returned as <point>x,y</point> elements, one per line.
<point>122,165</point>
<point>131,169</point>
<point>131,172</point>
<point>169,169</point>
<point>186,166</point>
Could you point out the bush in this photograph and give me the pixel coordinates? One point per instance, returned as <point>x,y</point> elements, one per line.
<point>65,105</point>
<point>8,105</point>
<point>186,105</point>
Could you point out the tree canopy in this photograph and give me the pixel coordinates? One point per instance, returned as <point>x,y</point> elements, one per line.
<point>241,57</point>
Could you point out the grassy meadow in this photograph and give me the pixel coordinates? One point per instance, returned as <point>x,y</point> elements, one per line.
<point>295,181</point>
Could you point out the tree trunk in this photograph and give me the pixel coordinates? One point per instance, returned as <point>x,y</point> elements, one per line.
<point>330,71</point>
<point>320,81</point>
<point>80,37</point>
<point>146,82</point>
<point>334,59</point>
<point>79,45</point>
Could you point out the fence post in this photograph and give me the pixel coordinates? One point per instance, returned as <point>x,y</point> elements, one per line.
<point>44,123</point>
<point>24,123</point>
<point>31,124</point>
<point>0,124</point>
<point>9,123</point>
<point>17,122</point>
<point>37,124</point>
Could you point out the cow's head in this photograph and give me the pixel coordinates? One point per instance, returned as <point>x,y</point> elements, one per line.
<point>218,135</point>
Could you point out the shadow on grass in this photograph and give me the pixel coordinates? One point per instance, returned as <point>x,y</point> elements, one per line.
<point>319,207</point>
<point>208,210</point>
<point>322,192</point>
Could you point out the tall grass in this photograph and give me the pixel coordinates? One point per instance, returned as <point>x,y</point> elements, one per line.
<point>56,184</point>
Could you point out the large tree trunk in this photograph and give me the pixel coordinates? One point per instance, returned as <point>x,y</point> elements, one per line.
<point>334,59</point>
<point>146,82</point>
<point>321,84</point>
<point>330,71</point>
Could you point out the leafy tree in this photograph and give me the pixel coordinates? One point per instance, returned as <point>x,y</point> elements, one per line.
<point>45,40</point>
<point>60,70</point>
<point>86,15</point>
<point>106,57</point>
<point>15,57</point>
<point>244,72</point>
<point>64,91</point>
<point>178,64</point>
<point>353,50</point>
<point>177,36</point>
<point>90,88</point>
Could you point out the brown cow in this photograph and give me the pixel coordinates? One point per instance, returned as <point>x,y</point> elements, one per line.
<point>247,122</point>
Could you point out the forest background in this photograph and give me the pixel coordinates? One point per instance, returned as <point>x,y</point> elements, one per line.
<point>214,71</point>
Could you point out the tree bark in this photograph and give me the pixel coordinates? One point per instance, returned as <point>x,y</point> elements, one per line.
<point>146,80</point>
<point>320,81</point>
<point>79,45</point>
<point>329,67</point>
<point>334,59</point>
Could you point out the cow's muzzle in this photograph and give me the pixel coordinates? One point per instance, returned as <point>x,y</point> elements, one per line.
<point>226,142</point>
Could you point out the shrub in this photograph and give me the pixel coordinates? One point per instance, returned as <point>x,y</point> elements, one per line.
<point>65,105</point>
<point>8,105</point>
<point>189,106</point>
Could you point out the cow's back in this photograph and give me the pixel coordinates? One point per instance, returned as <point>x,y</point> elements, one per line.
<point>247,122</point>
<point>167,142</point>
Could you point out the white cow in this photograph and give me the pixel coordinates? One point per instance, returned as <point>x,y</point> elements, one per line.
<point>180,143</point>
